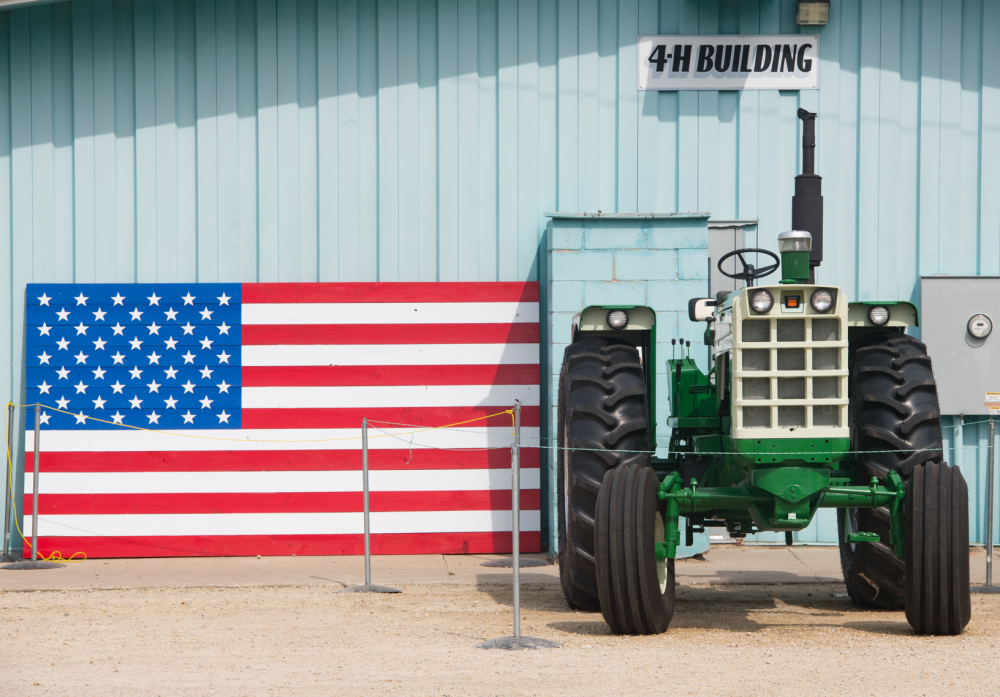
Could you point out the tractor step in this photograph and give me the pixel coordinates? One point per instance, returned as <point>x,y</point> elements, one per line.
<point>863,537</point>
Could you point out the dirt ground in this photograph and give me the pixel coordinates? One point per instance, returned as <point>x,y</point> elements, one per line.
<point>725,640</point>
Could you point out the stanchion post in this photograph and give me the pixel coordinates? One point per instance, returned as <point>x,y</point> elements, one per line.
<point>34,484</point>
<point>8,476</point>
<point>989,506</point>
<point>364,484</point>
<point>515,498</point>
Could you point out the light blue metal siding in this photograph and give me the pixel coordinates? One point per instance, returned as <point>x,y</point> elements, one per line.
<point>303,140</point>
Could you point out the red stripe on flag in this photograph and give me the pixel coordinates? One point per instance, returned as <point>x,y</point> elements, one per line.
<point>389,292</point>
<point>342,334</point>
<point>419,417</point>
<point>393,375</point>
<point>297,502</point>
<point>279,460</point>
<point>283,545</point>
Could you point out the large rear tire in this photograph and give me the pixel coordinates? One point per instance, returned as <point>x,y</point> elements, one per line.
<point>938,597</point>
<point>636,590</point>
<point>895,426</point>
<point>603,410</point>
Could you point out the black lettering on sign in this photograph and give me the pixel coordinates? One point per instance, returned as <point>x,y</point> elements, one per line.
<point>777,57</point>
<point>804,65</point>
<point>658,57</point>
<point>682,59</point>
<point>705,58</point>
<point>788,58</point>
<point>723,55</point>
<point>762,61</point>
<point>744,61</point>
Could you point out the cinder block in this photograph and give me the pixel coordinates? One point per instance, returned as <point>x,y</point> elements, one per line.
<point>680,234</point>
<point>600,235</point>
<point>645,265</point>
<point>565,237</point>
<point>556,351</point>
<point>692,264</point>
<point>566,296</point>
<point>616,293</point>
<point>582,266</point>
<point>673,296</point>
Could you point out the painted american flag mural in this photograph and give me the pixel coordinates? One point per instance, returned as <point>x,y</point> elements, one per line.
<point>250,399</point>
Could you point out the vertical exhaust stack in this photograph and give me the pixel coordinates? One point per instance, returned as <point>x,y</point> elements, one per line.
<point>807,203</point>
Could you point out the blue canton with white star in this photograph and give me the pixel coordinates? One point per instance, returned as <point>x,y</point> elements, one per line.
<point>162,356</point>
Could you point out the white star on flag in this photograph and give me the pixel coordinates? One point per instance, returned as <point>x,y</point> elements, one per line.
<point>224,329</point>
<point>136,314</point>
<point>118,387</point>
<point>119,299</point>
<point>135,373</point>
<point>80,418</point>
<point>188,387</point>
<point>44,417</point>
<point>44,330</point>
<point>171,314</point>
<point>99,403</point>
<point>81,299</point>
<point>154,386</point>
<point>117,417</point>
<point>189,417</point>
<point>44,358</point>
<point>206,372</point>
<point>63,315</point>
<point>223,417</point>
<point>81,358</point>
<point>44,387</point>
<point>62,402</point>
<point>99,373</point>
<point>171,372</point>
<point>81,388</point>
<point>224,387</point>
<point>99,315</point>
<point>188,357</point>
<point>44,299</point>
<point>154,357</point>
<point>63,345</point>
<point>224,299</point>
<point>119,358</point>
<point>81,329</point>
<point>154,328</point>
<point>223,357</point>
<point>153,417</point>
<point>188,328</point>
<point>154,299</point>
<point>206,343</point>
<point>135,344</point>
<point>99,344</point>
<point>171,402</point>
<point>188,299</point>
<point>63,373</point>
<point>206,403</point>
<point>118,329</point>
<point>171,343</point>
<point>206,314</point>
<point>135,402</point>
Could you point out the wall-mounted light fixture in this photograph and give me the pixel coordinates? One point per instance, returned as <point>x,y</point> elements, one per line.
<point>813,12</point>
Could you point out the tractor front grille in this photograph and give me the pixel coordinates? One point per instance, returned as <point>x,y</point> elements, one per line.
<point>790,373</point>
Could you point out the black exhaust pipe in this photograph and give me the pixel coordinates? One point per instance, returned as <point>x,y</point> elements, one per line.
<point>807,203</point>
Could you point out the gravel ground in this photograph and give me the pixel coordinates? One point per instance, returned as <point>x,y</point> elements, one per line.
<point>724,640</point>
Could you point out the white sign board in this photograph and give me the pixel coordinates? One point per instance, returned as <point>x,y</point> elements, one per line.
<point>729,62</point>
<point>992,402</point>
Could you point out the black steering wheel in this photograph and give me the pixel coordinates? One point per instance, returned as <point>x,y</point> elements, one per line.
<point>749,272</point>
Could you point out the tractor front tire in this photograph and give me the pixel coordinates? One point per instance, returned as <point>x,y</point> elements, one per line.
<point>603,411</point>
<point>636,590</point>
<point>895,427</point>
<point>938,597</point>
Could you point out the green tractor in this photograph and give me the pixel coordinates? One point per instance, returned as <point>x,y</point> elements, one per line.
<point>811,402</point>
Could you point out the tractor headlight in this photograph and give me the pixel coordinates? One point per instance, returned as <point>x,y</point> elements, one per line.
<point>878,315</point>
<point>761,301</point>
<point>821,300</point>
<point>618,319</point>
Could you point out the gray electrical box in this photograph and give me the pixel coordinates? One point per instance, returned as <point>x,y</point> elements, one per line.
<point>953,311</point>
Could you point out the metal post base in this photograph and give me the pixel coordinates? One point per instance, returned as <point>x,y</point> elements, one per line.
<point>508,563</point>
<point>515,643</point>
<point>369,588</point>
<point>28,565</point>
<point>988,590</point>
<point>4,558</point>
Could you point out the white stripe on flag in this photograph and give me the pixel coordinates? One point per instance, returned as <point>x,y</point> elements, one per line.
<point>389,313</point>
<point>359,397</point>
<point>390,354</point>
<point>183,524</point>
<point>277,482</point>
<point>128,440</point>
